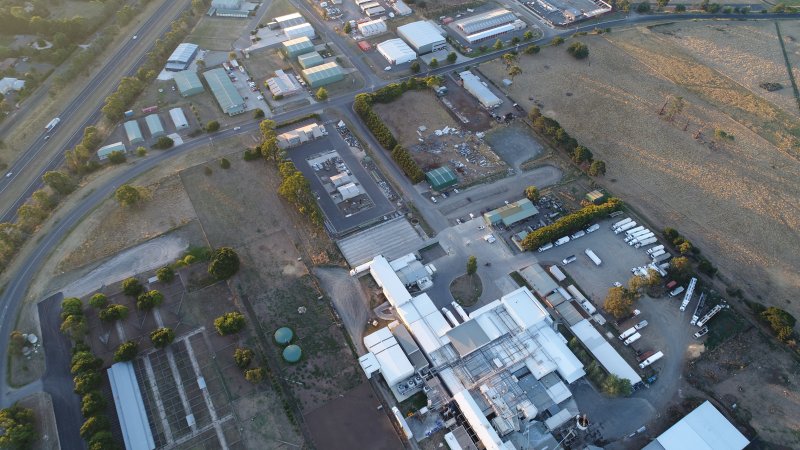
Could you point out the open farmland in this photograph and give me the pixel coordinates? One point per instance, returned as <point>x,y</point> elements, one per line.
<point>736,200</point>
<point>471,157</point>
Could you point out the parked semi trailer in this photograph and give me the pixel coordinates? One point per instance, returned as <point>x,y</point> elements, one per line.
<point>687,297</point>
<point>621,223</point>
<point>641,238</point>
<point>625,227</point>
<point>634,337</point>
<point>655,249</point>
<point>645,355</point>
<point>633,231</point>
<point>627,333</point>
<point>651,360</point>
<point>662,258</point>
<point>648,241</point>
<point>597,261</point>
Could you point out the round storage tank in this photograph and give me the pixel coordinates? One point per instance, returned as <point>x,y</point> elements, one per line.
<point>284,335</point>
<point>292,353</point>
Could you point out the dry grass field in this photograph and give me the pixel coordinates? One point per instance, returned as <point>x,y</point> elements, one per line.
<point>737,200</point>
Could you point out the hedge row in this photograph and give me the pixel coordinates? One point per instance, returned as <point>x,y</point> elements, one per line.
<point>363,107</point>
<point>407,164</point>
<point>570,223</point>
<point>553,132</point>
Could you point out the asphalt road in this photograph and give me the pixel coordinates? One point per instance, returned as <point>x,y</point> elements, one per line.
<point>17,287</point>
<point>24,169</point>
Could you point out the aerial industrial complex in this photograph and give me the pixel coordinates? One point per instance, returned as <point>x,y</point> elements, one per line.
<point>386,224</point>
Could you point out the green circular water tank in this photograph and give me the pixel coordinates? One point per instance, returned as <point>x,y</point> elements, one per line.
<point>292,353</point>
<point>284,335</point>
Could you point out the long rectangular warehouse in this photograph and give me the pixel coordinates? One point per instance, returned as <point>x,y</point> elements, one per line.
<point>474,86</point>
<point>128,402</point>
<point>224,91</point>
<point>323,74</point>
<point>485,21</point>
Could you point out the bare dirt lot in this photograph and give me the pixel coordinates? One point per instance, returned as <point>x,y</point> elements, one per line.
<point>461,150</point>
<point>736,199</point>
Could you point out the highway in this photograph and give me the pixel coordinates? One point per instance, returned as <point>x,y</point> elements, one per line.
<point>19,281</point>
<point>73,126</point>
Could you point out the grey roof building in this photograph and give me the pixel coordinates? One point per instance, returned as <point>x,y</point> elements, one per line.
<point>181,57</point>
<point>310,60</point>
<point>134,132</point>
<point>323,74</point>
<point>188,83</point>
<point>299,46</point>
<point>104,152</point>
<point>154,125</point>
<point>178,118</point>
<point>224,91</point>
<point>422,36</point>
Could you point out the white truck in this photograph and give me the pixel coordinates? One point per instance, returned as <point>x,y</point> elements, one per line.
<point>627,333</point>
<point>625,227</point>
<point>651,360</point>
<point>634,337</point>
<point>640,325</point>
<point>621,223</point>
<point>597,261</point>
<point>642,237</point>
<point>52,124</point>
<point>561,241</point>
<point>677,291</point>
<point>657,248</point>
<point>633,231</point>
<point>648,241</point>
<point>592,228</point>
<point>688,296</point>
<point>578,234</point>
<point>545,247</point>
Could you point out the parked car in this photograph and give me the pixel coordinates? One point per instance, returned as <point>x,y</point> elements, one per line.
<point>703,331</point>
<point>568,259</point>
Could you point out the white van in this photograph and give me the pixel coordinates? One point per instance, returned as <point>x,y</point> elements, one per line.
<point>562,241</point>
<point>545,247</point>
<point>677,291</point>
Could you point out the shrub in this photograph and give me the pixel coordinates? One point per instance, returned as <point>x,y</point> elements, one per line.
<point>643,7</point>
<point>84,362</point>
<point>126,351</point>
<point>243,357</point>
<point>117,157</point>
<point>93,425</point>
<point>92,403</point>
<point>87,382</point>
<point>132,287</point>
<point>597,169</point>
<point>98,301</point>
<point>164,143</point>
<point>212,126</point>
<point>229,323</point>
<point>578,50</point>
<point>141,151</point>
<point>250,155</point>
<point>258,113</point>
<point>162,337</point>
<point>255,375</point>
<point>102,440</point>
<point>570,223</point>
<point>149,300</point>
<point>113,313</point>
<point>165,274</point>
<point>532,49</point>
<point>781,322</point>
<point>558,40</point>
<point>19,430</point>
<point>224,263</point>
<point>618,387</point>
<point>224,163</point>
<point>71,306</point>
<point>680,8</point>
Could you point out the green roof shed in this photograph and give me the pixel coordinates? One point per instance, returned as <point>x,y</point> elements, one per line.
<point>441,178</point>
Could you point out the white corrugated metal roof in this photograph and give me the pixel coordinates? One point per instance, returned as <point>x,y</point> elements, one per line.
<point>393,288</point>
<point>183,53</point>
<point>705,428</point>
<point>178,118</point>
<point>604,352</point>
<point>524,308</point>
<point>130,407</point>
<point>569,367</point>
<point>477,421</point>
<point>420,34</point>
<point>396,51</point>
<point>475,87</point>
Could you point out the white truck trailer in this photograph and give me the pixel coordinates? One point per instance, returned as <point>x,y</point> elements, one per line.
<point>627,333</point>
<point>657,248</point>
<point>621,223</point>
<point>634,337</point>
<point>625,227</point>
<point>633,231</point>
<point>648,241</point>
<point>687,297</point>
<point>597,261</point>
<point>651,360</point>
<point>640,238</point>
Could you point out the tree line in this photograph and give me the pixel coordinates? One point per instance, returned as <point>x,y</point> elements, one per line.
<point>363,107</point>
<point>570,223</point>
<point>555,134</point>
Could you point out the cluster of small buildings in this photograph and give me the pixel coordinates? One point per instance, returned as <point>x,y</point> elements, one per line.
<point>294,26</point>
<point>154,126</point>
<point>8,84</point>
<point>316,71</point>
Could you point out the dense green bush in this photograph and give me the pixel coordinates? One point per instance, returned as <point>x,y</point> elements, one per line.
<point>781,322</point>
<point>570,223</point>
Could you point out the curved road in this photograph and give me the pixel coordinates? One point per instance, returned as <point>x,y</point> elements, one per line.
<point>17,287</point>
<point>39,145</point>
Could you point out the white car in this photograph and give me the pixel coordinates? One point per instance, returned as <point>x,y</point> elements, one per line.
<point>617,284</point>
<point>481,227</point>
<point>9,174</point>
<point>135,36</point>
<point>568,260</point>
<point>703,331</point>
<point>237,128</point>
<point>490,238</point>
<point>387,68</point>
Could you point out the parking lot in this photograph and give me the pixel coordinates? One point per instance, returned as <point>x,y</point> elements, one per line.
<point>340,221</point>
